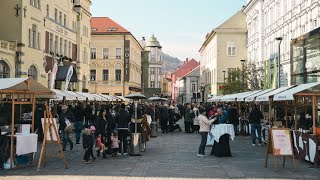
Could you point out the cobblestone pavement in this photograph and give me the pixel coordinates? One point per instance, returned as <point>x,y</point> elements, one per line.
<point>169,156</point>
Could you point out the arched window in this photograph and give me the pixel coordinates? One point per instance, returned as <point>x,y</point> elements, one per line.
<point>32,72</point>
<point>4,70</point>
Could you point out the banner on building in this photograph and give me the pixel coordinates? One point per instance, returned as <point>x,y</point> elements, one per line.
<point>127,60</point>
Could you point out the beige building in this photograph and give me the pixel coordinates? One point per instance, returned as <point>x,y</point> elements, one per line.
<point>222,51</point>
<point>47,32</point>
<point>7,58</point>
<point>166,85</point>
<point>115,66</point>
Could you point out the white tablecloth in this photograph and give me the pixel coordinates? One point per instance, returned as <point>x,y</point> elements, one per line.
<point>218,130</point>
<point>26,143</point>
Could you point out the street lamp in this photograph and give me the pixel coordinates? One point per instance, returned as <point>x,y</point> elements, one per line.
<point>280,40</point>
<point>242,62</point>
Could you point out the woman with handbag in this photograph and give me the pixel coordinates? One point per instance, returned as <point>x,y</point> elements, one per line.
<point>66,127</point>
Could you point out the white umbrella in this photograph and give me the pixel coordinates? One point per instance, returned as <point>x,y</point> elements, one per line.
<point>155,99</point>
<point>135,96</point>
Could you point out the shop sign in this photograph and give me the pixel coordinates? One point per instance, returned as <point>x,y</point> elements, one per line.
<point>126,60</point>
<point>61,31</point>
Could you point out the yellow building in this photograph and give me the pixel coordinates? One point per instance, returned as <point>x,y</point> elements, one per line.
<point>7,58</point>
<point>166,85</point>
<point>115,65</point>
<point>47,32</point>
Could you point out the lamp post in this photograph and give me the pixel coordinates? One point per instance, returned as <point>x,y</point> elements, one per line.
<point>242,62</point>
<point>280,40</point>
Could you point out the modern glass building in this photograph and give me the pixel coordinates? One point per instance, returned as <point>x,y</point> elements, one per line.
<point>305,58</point>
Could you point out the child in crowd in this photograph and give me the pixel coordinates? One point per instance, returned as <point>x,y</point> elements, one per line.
<point>88,142</point>
<point>100,146</point>
<point>114,143</point>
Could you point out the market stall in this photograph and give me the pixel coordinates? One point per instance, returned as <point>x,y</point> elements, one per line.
<point>15,95</point>
<point>304,102</point>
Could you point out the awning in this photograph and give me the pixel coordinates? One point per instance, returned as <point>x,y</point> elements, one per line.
<point>79,97</point>
<point>123,98</point>
<point>62,73</point>
<point>252,97</point>
<point>288,94</point>
<point>60,94</point>
<point>111,98</point>
<point>243,96</point>
<point>101,98</point>
<point>25,85</point>
<point>265,97</point>
<point>87,95</point>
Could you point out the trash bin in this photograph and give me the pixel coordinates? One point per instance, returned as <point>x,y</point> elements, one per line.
<point>154,129</point>
<point>136,144</point>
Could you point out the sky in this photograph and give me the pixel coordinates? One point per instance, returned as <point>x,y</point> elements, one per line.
<point>179,25</point>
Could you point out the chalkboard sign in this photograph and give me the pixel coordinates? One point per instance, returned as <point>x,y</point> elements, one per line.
<point>280,144</point>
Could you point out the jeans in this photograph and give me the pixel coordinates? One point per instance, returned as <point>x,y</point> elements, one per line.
<point>123,134</point>
<point>255,127</point>
<point>187,126</point>
<point>78,125</point>
<point>65,139</point>
<point>204,136</point>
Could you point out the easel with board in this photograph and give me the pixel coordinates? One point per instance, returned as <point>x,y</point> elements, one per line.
<point>279,144</point>
<point>51,136</point>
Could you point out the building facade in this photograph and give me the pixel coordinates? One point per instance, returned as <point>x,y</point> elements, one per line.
<point>166,85</point>
<point>151,67</point>
<point>222,51</point>
<point>7,59</point>
<point>47,32</point>
<point>180,72</point>
<point>189,87</point>
<point>115,67</point>
<point>269,19</point>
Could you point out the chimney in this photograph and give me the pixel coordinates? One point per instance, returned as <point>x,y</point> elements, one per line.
<point>143,39</point>
<point>187,59</point>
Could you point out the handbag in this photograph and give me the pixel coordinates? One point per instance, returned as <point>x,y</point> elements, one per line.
<point>69,126</point>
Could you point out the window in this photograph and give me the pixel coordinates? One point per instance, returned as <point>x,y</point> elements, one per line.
<point>60,17</point>
<point>93,75</point>
<point>33,37</point>
<point>4,70</point>
<point>35,3</point>
<point>51,42</point>
<point>61,46</point>
<point>48,10</point>
<point>56,14</point>
<point>69,51</point>
<point>118,53</point>
<point>38,41</point>
<point>152,71</point>
<point>65,48</point>
<point>118,74</point>
<point>93,53</point>
<point>105,53</point>
<point>84,55</point>
<point>32,72</point>
<point>193,87</point>
<point>32,2</point>
<point>152,83</point>
<point>65,20</point>
<point>231,48</point>
<point>105,75</point>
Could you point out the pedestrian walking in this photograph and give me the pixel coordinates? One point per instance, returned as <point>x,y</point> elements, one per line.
<point>65,119</point>
<point>255,117</point>
<point>122,120</point>
<point>114,143</point>
<point>164,118</point>
<point>188,118</point>
<point>196,126</point>
<point>87,143</point>
<point>79,118</point>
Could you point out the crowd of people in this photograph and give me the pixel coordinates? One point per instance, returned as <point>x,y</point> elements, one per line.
<point>104,126</point>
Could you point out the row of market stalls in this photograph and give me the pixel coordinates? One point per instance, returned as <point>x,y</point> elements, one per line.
<point>20,95</point>
<point>296,107</point>
<point>81,96</point>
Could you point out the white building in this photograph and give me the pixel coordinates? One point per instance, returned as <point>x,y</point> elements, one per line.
<point>189,87</point>
<point>268,19</point>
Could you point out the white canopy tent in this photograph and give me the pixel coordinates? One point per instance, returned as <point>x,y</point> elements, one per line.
<point>252,97</point>
<point>265,97</point>
<point>87,95</point>
<point>109,97</point>
<point>123,98</point>
<point>242,97</point>
<point>79,97</point>
<point>60,94</point>
<point>100,98</point>
<point>288,94</point>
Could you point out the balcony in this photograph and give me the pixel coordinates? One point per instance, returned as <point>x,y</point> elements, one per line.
<point>8,47</point>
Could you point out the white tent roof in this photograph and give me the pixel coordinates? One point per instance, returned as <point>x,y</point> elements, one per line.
<point>78,96</point>
<point>101,98</point>
<point>123,98</point>
<point>265,97</point>
<point>109,97</point>
<point>60,94</point>
<point>252,97</point>
<point>288,94</point>
<point>233,97</point>
<point>26,84</point>
<point>87,95</point>
<point>242,97</point>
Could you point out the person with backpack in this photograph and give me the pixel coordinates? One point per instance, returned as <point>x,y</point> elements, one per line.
<point>255,117</point>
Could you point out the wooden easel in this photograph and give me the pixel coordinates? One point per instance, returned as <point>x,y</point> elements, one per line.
<point>276,153</point>
<point>48,126</point>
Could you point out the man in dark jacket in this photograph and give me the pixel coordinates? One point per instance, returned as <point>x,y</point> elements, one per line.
<point>188,118</point>
<point>122,120</point>
<point>164,118</point>
<point>78,123</point>
<point>233,117</point>
<point>255,117</point>
<point>66,117</point>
